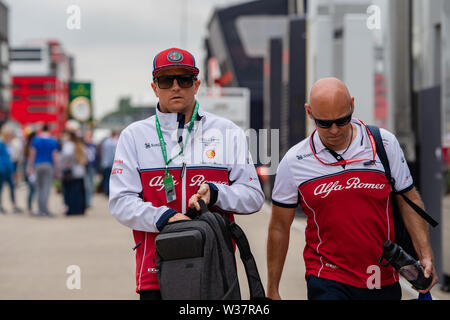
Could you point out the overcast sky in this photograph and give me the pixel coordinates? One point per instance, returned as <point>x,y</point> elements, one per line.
<point>115,46</point>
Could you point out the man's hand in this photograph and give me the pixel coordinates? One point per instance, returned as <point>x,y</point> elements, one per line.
<point>418,230</point>
<point>428,268</point>
<point>202,193</point>
<point>177,217</point>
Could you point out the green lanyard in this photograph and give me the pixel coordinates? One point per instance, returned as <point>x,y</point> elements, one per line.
<point>163,144</point>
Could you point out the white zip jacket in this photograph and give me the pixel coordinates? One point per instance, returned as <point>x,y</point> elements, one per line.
<point>216,153</point>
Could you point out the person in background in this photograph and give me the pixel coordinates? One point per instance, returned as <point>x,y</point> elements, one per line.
<point>73,165</point>
<point>108,151</point>
<point>15,149</point>
<point>8,167</point>
<point>44,163</point>
<point>91,152</point>
<point>30,180</point>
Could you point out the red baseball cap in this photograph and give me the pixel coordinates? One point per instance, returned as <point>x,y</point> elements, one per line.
<point>174,57</point>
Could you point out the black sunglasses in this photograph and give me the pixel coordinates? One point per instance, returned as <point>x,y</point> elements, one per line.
<point>326,124</point>
<point>183,80</point>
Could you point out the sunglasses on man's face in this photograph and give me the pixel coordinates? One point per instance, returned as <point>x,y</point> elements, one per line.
<point>326,124</point>
<point>183,80</point>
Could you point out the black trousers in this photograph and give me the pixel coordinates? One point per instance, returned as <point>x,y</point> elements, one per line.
<point>150,295</point>
<point>74,196</point>
<point>324,289</point>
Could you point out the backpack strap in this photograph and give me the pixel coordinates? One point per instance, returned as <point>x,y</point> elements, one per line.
<point>381,152</point>
<point>251,270</point>
<point>194,214</point>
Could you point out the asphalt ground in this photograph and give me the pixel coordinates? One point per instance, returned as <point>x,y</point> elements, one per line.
<point>40,257</point>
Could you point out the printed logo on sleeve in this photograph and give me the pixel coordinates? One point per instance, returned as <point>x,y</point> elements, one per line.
<point>116,171</point>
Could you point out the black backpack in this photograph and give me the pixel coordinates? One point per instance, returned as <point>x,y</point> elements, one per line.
<point>196,260</point>
<point>402,237</point>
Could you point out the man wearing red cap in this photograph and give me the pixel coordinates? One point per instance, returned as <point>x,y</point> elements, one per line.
<point>164,164</point>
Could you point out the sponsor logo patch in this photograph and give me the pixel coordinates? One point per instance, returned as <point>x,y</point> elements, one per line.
<point>149,145</point>
<point>210,154</point>
<point>303,156</point>
<point>174,56</point>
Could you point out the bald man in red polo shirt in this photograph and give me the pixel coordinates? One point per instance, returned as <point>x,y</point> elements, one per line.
<point>339,182</point>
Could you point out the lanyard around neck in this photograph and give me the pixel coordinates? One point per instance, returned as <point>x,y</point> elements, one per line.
<point>163,144</point>
<point>345,162</point>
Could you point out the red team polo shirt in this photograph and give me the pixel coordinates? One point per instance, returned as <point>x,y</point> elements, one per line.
<point>349,211</point>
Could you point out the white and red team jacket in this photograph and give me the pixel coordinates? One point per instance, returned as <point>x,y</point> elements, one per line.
<point>349,211</point>
<point>216,153</point>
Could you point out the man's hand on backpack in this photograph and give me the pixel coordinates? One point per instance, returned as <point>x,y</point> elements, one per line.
<point>177,217</point>
<point>202,193</point>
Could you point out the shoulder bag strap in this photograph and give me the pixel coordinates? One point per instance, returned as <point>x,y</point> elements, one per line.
<point>381,152</point>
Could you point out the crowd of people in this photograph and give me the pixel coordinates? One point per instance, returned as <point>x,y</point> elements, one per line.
<point>72,163</point>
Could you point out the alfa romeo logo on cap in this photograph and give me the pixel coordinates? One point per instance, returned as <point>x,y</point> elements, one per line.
<point>174,56</point>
